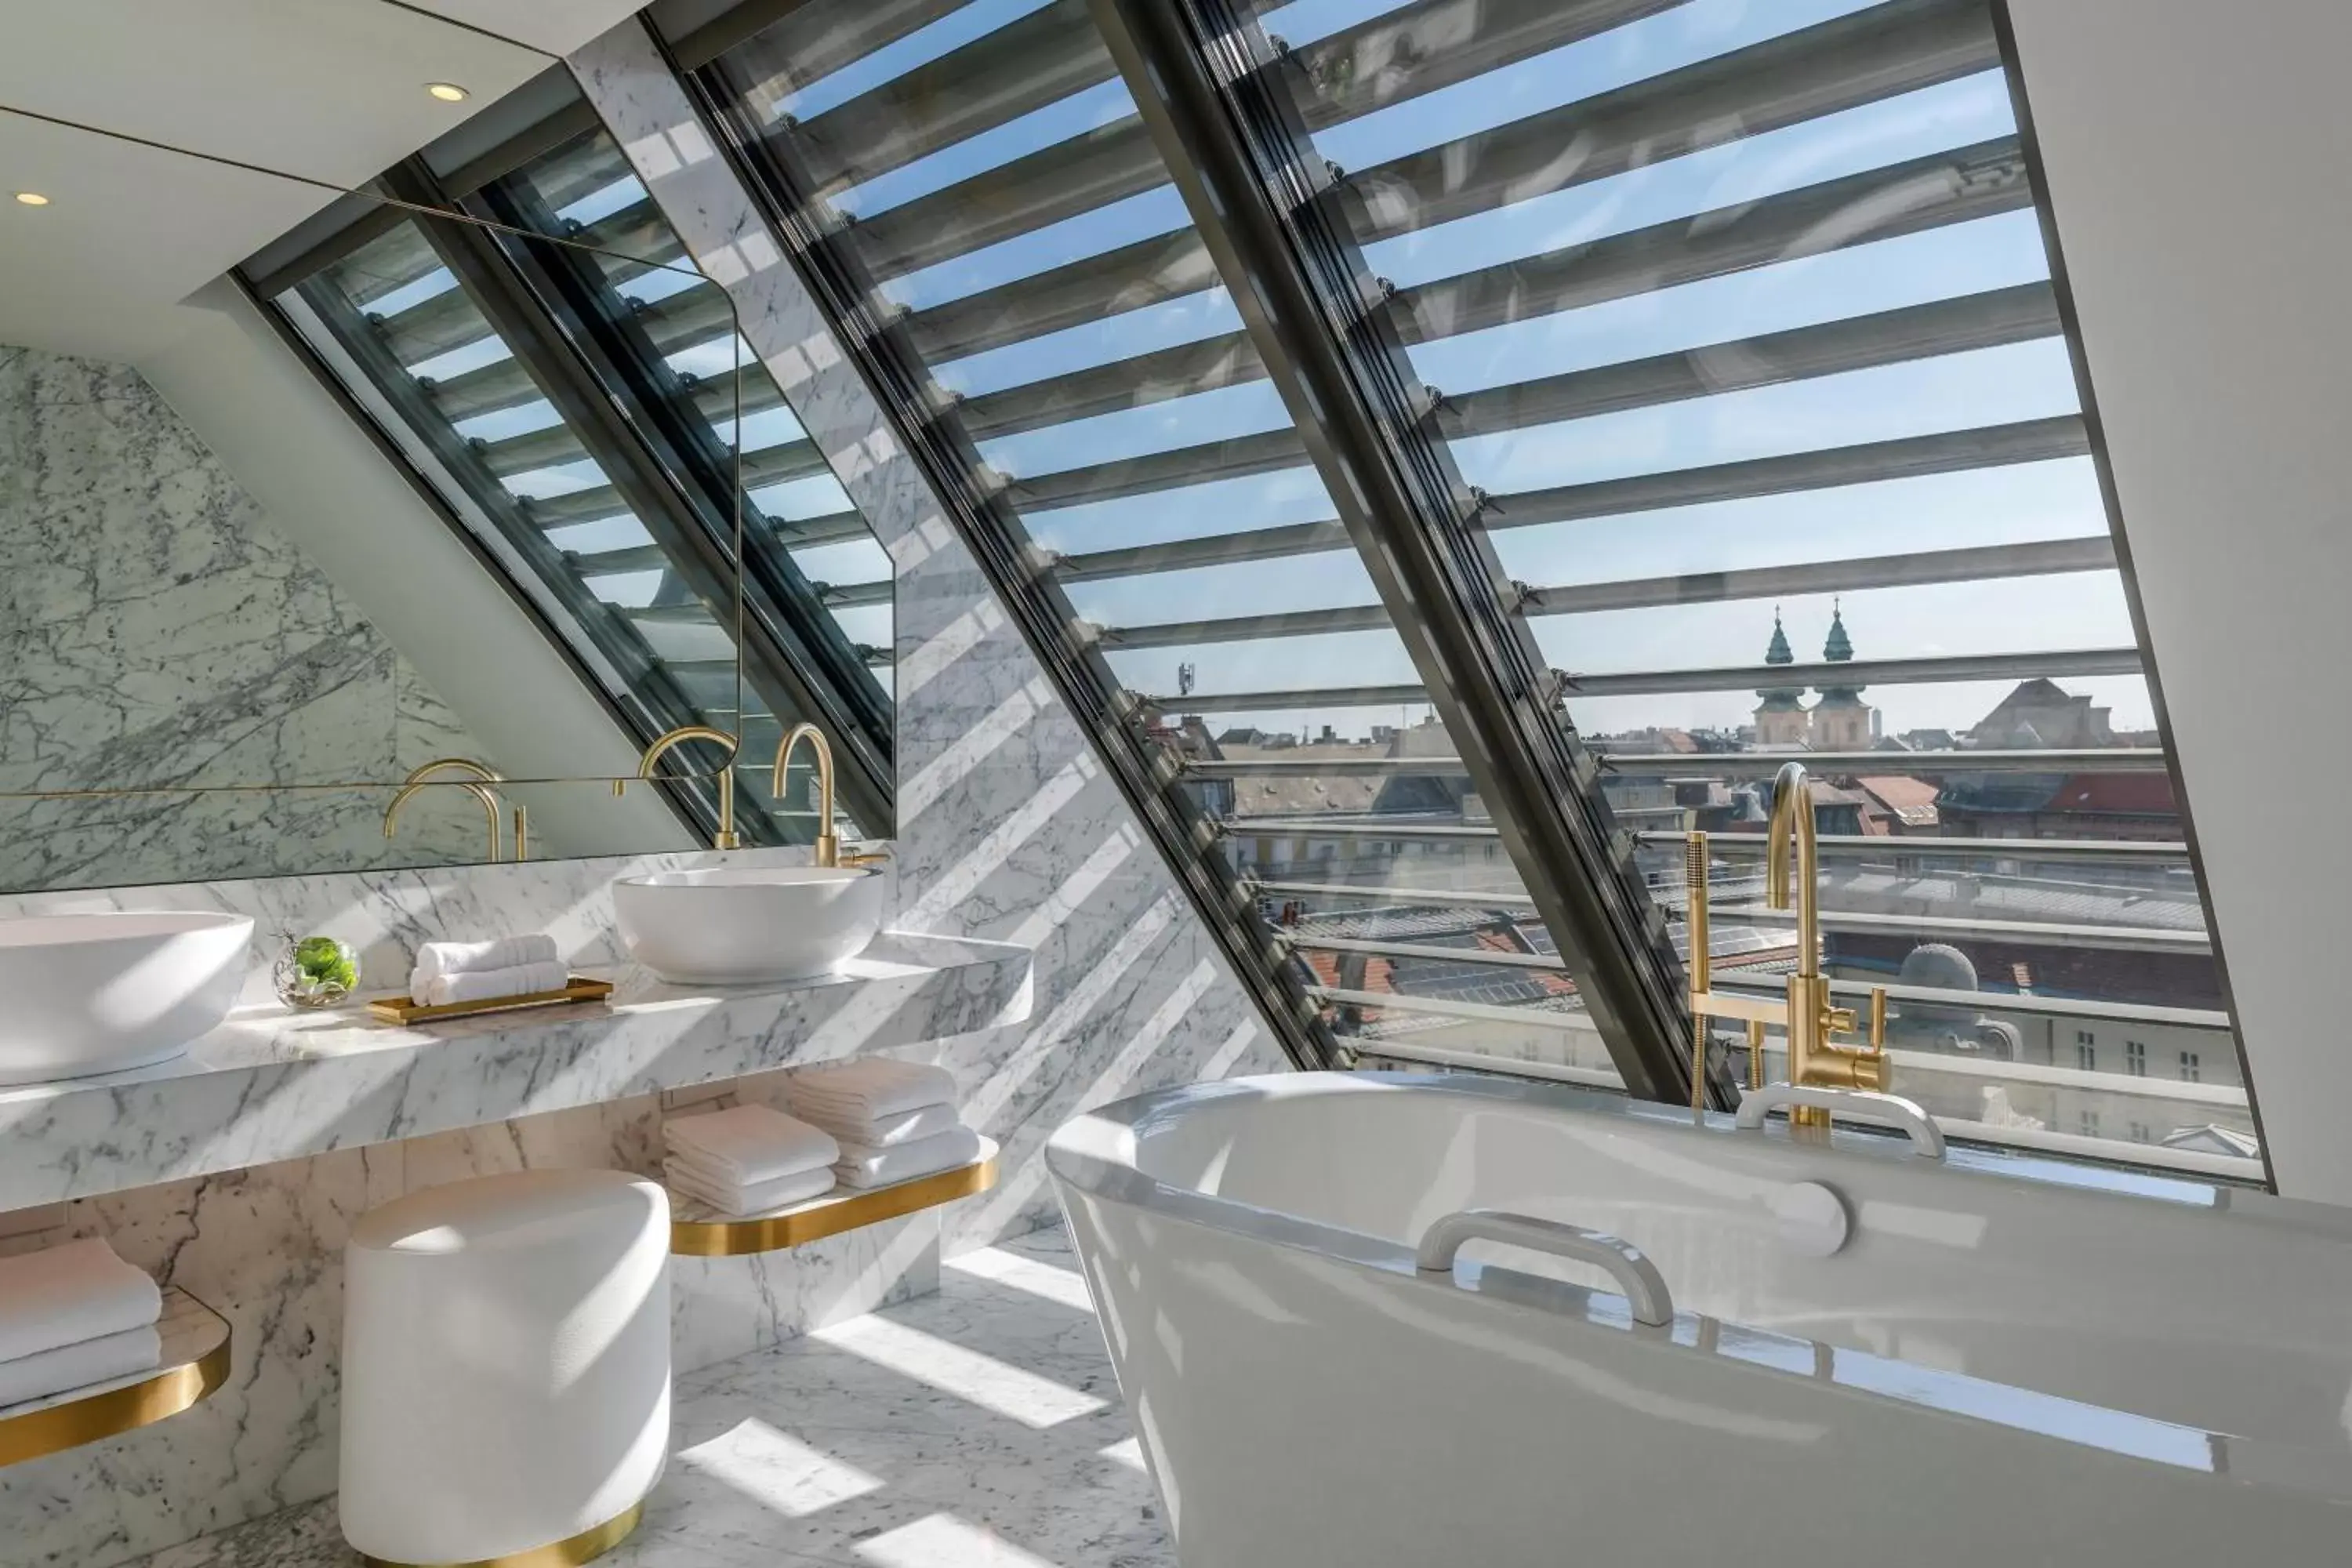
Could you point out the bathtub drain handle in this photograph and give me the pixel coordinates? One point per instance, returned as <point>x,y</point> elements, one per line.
<point>1636,1275</point>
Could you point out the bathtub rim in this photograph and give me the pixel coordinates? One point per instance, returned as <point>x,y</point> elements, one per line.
<point>1073,1151</point>
<point>1078,1157</point>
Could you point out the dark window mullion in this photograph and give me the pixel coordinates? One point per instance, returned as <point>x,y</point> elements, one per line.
<point>1242,158</point>
<point>832,681</point>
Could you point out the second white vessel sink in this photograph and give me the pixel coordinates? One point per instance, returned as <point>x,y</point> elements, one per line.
<point>723,926</point>
<point>99,993</point>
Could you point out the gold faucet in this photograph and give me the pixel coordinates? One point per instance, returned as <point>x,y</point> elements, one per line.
<point>487,776</point>
<point>1815,1060</point>
<point>478,791</point>
<point>828,846</point>
<point>725,838</point>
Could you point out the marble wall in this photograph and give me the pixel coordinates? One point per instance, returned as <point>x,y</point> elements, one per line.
<point>155,627</point>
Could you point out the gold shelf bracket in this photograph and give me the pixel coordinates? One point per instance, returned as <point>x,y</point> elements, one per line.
<point>695,1231</point>
<point>196,1361</point>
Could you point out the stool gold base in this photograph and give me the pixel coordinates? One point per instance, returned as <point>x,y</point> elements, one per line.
<point>570,1553</point>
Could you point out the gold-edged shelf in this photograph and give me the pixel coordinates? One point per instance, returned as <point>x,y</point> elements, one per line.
<point>695,1230</point>
<point>399,1007</point>
<point>196,1361</point>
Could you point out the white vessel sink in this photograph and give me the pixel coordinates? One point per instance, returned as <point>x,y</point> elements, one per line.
<point>728,927</point>
<point>99,993</point>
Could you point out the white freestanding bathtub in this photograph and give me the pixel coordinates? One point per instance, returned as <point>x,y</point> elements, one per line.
<point>2011,1361</point>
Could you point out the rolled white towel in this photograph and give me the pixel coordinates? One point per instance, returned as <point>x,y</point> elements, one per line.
<point>435,959</point>
<point>868,1089</point>
<point>490,984</point>
<point>64,1295</point>
<point>892,1130</point>
<point>748,1145</point>
<point>102,1359</point>
<point>729,1198</point>
<point>861,1167</point>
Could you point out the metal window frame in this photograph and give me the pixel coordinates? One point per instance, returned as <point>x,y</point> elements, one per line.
<point>2071,331</point>
<point>1240,154</point>
<point>785,615</point>
<point>638,689</point>
<point>1147,774</point>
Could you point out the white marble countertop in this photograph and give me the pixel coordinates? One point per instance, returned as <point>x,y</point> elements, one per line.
<point>277,1084</point>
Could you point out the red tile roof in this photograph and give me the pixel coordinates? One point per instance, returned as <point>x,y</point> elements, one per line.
<point>1898,792</point>
<point>2131,794</point>
<point>1554,985</point>
<point>1911,801</point>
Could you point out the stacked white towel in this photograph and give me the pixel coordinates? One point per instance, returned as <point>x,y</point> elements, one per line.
<point>895,1120</point>
<point>450,972</point>
<point>748,1160</point>
<point>71,1316</point>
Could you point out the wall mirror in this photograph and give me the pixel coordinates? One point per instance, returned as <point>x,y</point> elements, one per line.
<point>473,465</point>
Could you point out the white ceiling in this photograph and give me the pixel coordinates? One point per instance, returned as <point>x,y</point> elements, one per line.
<point>327,89</point>
<point>559,27</point>
<point>129,231</point>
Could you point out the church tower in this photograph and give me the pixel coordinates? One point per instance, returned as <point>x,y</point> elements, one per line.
<point>1841,721</point>
<point>1781,717</point>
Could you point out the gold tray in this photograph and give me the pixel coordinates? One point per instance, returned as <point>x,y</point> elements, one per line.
<point>397,1009</point>
<point>196,1361</point>
<point>695,1231</point>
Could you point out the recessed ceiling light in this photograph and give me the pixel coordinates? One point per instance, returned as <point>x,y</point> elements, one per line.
<point>448,91</point>
<point>33,198</point>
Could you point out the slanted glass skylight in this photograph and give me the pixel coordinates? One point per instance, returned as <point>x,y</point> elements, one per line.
<point>1742,318</point>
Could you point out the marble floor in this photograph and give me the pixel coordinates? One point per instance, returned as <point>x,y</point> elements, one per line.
<point>977,1429</point>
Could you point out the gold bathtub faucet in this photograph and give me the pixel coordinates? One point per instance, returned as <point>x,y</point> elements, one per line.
<point>1792,874</point>
<point>725,838</point>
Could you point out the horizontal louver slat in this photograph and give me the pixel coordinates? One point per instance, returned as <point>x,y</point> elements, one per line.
<point>1966,565</point>
<point>1740,677</point>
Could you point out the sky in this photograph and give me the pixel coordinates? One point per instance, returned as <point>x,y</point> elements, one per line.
<point>2041,502</point>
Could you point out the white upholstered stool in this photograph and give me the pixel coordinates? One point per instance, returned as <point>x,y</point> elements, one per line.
<point>506,1368</point>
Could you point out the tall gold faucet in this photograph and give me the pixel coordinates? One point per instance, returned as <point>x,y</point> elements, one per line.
<point>1815,1060</point>
<point>487,776</point>
<point>480,792</point>
<point>828,845</point>
<point>828,848</point>
<point>725,838</point>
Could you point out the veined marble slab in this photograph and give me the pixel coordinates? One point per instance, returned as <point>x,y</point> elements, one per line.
<point>157,627</point>
<point>274,1084</point>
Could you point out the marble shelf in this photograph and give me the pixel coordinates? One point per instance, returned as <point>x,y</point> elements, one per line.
<point>696,1230</point>
<point>274,1084</point>
<point>196,1361</point>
